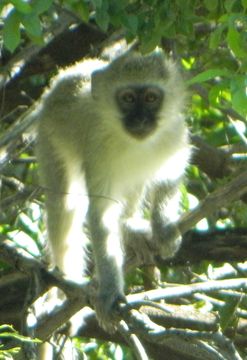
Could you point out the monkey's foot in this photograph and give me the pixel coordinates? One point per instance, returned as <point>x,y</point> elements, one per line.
<point>107,309</point>
<point>143,249</point>
<point>138,242</point>
<point>168,239</point>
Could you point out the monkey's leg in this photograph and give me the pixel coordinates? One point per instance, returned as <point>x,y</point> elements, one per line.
<point>65,216</point>
<point>64,200</point>
<point>64,232</point>
<point>104,218</point>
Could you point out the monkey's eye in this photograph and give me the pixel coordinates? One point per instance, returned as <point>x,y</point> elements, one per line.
<point>128,96</point>
<point>151,96</point>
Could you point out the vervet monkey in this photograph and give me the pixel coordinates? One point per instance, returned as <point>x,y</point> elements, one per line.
<point>110,134</point>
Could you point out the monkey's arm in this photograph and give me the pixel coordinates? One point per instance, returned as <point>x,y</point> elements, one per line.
<point>104,223</point>
<point>165,210</point>
<point>165,198</point>
<point>160,236</point>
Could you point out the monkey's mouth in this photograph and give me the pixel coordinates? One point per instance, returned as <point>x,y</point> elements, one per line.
<point>140,128</point>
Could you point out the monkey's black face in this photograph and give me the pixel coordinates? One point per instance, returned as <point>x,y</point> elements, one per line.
<point>139,106</point>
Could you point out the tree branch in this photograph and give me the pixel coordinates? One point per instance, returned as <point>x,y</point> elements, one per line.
<point>223,196</point>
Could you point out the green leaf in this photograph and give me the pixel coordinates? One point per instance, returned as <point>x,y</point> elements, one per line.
<point>21,5</point>
<point>21,338</point>
<point>236,42</point>
<point>148,44</point>
<point>244,3</point>
<point>40,6</point>
<point>228,312</point>
<point>102,16</point>
<point>216,36</point>
<point>131,23</point>
<point>2,5</point>
<point>229,5</point>
<point>11,31</point>
<point>211,5</point>
<point>102,20</point>
<point>208,75</point>
<point>82,9</point>
<point>97,3</point>
<point>215,92</point>
<point>32,25</point>
<point>239,96</point>
<point>6,327</point>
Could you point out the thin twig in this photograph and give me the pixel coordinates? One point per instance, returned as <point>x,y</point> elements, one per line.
<point>188,290</point>
<point>23,123</point>
<point>133,341</point>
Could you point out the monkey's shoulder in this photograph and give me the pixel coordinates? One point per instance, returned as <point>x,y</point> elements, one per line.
<point>72,81</point>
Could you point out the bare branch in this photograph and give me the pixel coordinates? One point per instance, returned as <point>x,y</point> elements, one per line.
<point>133,340</point>
<point>223,196</point>
<point>188,290</point>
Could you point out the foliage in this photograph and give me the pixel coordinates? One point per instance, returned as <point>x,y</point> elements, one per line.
<point>209,40</point>
<point>8,332</point>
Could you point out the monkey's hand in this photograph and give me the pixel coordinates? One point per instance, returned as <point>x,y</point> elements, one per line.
<point>146,243</point>
<point>167,238</point>
<point>107,307</point>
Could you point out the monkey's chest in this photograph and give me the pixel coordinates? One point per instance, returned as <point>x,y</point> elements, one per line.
<point>132,169</point>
